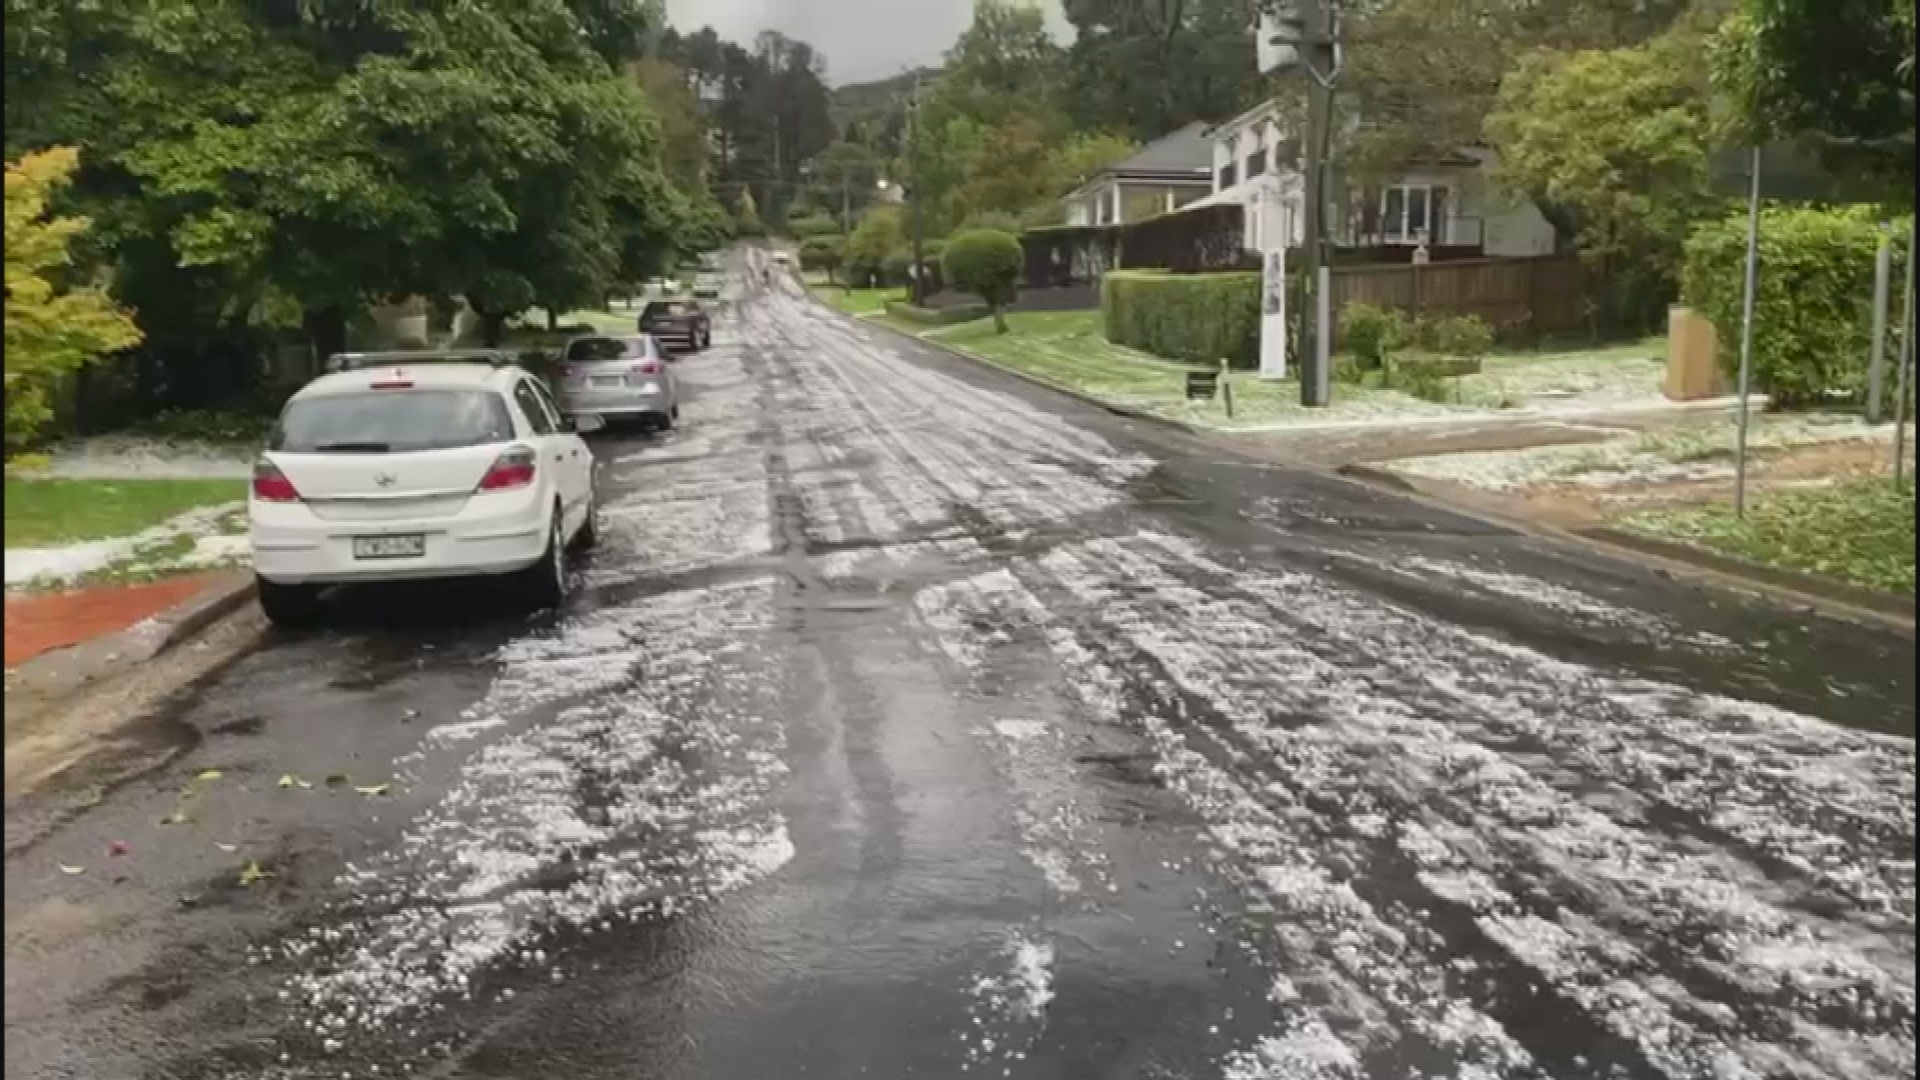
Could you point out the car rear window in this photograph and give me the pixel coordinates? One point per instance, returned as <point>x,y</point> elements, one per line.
<point>666,309</point>
<point>591,350</point>
<point>392,421</point>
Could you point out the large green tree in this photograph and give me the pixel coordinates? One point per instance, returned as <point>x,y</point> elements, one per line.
<point>1618,140</point>
<point>338,152</point>
<point>1147,67</point>
<point>1837,75</point>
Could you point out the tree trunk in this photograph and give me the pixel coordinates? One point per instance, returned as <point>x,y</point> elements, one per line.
<point>999,319</point>
<point>493,327</point>
<point>327,330</point>
<point>553,320</point>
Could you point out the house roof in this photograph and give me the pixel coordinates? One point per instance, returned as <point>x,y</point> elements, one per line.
<point>1185,155</point>
<point>1183,151</point>
<point>1246,119</point>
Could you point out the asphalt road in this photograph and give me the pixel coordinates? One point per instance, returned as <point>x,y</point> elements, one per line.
<point>912,722</point>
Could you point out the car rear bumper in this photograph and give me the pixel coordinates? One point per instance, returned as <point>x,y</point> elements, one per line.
<point>606,403</point>
<point>496,533</point>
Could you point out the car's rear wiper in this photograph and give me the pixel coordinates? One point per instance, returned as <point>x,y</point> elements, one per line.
<point>353,448</point>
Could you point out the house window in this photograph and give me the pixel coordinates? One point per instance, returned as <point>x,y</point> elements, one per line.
<point>1257,156</point>
<point>1228,176</point>
<point>1409,212</point>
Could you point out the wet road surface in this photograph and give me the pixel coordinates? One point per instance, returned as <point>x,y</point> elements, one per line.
<point>910,722</point>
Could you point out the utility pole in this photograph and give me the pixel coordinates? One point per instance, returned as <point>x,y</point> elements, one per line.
<point>1320,57</point>
<point>913,165</point>
<point>1306,37</point>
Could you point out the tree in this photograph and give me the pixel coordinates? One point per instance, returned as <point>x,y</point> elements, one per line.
<point>1619,138</point>
<point>1012,168</point>
<point>1148,67</point>
<point>1776,64</point>
<point>879,235</point>
<point>987,263</point>
<point>1423,75</point>
<point>52,327</point>
<point>1004,62</point>
<point>746,216</point>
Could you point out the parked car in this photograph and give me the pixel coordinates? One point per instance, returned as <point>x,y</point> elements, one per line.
<point>618,378</point>
<point>781,258</point>
<point>410,465</point>
<point>681,324</point>
<point>706,286</point>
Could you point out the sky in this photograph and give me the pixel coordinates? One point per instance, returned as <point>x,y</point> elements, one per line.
<point>862,39</point>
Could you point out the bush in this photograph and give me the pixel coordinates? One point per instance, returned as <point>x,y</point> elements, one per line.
<point>986,263</point>
<point>1464,336</point>
<point>1370,333</point>
<point>206,425</point>
<point>1813,305</point>
<point>813,225</point>
<point>1200,318</point>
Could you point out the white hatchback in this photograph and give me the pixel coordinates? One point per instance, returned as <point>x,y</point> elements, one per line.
<point>405,466</point>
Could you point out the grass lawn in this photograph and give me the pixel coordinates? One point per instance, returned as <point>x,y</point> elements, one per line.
<point>1859,531</point>
<point>48,512</point>
<point>1606,375</point>
<point>1069,349</point>
<point>858,301</point>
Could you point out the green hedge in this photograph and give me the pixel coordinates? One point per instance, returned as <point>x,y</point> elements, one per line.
<point>1200,318</point>
<point>945,316</point>
<point>1813,309</point>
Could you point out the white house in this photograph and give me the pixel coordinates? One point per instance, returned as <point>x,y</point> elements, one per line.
<point>1162,176</point>
<point>1256,162</point>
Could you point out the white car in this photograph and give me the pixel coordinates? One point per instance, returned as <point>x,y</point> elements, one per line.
<point>404,466</point>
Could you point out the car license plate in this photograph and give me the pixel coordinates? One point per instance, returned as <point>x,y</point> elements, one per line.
<point>608,380</point>
<point>389,547</point>
<point>646,386</point>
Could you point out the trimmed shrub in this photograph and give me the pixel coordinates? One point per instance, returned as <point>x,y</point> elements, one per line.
<point>812,225</point>
<point>986,263</point>
<point>1200,318</point>
<point>1813,319</point>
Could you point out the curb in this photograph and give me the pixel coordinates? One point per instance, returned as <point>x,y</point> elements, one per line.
<point>1128,411</point>
<point>62,671</point>
<point>1779,577</point>
<point>1804,588</point>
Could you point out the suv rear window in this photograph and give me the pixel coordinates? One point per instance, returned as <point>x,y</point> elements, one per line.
<point>590,350</point>
<point>664,308</point>
<point>393,421</point>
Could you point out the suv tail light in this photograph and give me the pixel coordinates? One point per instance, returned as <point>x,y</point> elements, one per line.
<point>514,468</point>
<point>272,485</point>
<point>647,367</point>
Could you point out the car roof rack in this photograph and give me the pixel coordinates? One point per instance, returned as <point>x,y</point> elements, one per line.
<point>354,361</point>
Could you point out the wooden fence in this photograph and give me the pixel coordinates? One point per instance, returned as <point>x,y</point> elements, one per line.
<point>1520,297</point>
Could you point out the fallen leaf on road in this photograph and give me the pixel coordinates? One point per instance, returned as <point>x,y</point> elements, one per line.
<point>65,869</point>
<point>228,848</point>
<point>208,774</point>
<point>118,847</point>
<point>377,789</point>
<point>337,779</point>
<point>252,874</point>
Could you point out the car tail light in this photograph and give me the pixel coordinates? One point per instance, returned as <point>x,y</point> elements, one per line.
<point>512,469</point>
<point>272,485</point>
<point>566,371</point>
<point>647,367</point>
